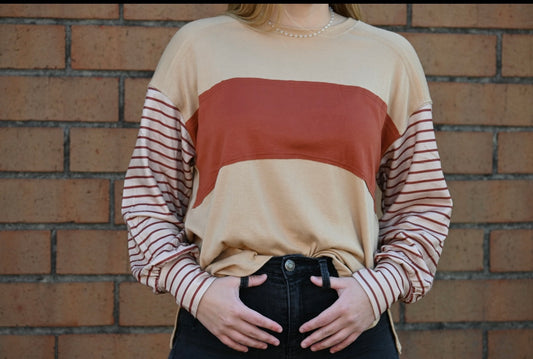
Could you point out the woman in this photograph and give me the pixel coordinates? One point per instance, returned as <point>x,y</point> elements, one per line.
<point>250,193</point>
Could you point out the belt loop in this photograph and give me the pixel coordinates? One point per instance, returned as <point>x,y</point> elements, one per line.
<point>324,272</point>
<point>244,282</point>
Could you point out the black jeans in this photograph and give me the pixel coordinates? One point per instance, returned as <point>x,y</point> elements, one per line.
<point>289,298</point>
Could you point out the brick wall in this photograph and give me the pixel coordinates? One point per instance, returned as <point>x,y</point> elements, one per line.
<point>72,82</point>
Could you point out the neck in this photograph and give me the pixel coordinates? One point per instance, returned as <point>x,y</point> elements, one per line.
<point>304,16</point>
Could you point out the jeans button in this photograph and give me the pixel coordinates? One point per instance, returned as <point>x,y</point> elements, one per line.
<point>289,265</point>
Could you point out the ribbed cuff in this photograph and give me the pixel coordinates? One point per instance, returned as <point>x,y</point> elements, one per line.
<point>186,281</point>
<point>384,285</point>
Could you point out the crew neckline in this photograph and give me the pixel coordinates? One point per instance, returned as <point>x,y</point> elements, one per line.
<point>333,30</point>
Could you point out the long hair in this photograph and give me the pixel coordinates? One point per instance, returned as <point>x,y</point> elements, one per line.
<point>259,14</point>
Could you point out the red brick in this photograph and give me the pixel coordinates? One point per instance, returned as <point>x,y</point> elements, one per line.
<point>119,186</point>
<point>113,346</point>
<point>27,346</point>
<point>24,252</point>
<point>492,201</point>
<point>118,47</point>
<point>101,149</point>
<point>511,250</point>
<point>465,152</point>
<point>463,251</point>
<point>482,104</point>
<point>48,200</point>
<point>65,11</point>
<point>511,16</point>
<point>515,151</point>
<point>140,306</point>
<point>376,14</point>
<point>183,12</point>
<point>56,304</point>
<point>32,46</point>
<point>384,14</point>
<point>474,300</point>
<point>134,94</point>
<point>455,54</point>
<point>92,252</point>
<point>31,149</point>
<point>511,343</point>
<point>517,54</point>
<point>441,344</point>
<point>58,99</point>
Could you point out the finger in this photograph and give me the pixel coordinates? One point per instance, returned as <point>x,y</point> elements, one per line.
<point>259,320</point>
<point>317,281</point>
<point>330,341</point>
<point>245,340</point>
<point>236,329</point>
<point>344,343</point>
<point>253,317</point>
<point>254,333</point>
<point>255,280</point>
<point>334,282</point>
<point>233,344</point>
<point>322,333</point>
<point>326,317</point>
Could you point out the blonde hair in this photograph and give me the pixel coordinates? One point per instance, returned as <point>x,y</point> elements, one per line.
<point>259,14</point>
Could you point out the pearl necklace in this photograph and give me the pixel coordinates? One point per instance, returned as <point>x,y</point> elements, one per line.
<point>283,32</point>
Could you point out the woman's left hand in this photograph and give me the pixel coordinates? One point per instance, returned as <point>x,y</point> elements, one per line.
<point>339,325</point>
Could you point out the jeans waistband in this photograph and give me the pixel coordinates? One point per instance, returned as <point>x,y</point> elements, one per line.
<point>296,267</point>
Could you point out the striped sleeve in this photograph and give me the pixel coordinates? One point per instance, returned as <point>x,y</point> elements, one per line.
<point>416,207</point>
<point>157,190</point>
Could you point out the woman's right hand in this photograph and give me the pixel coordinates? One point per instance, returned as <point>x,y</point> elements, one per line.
<point>223,313</point>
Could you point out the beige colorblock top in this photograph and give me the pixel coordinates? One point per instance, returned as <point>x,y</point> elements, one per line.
<point>254,145</point>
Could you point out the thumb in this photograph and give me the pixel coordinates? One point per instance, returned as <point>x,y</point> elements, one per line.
<point>255,280</point>
<point>334,282</point>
